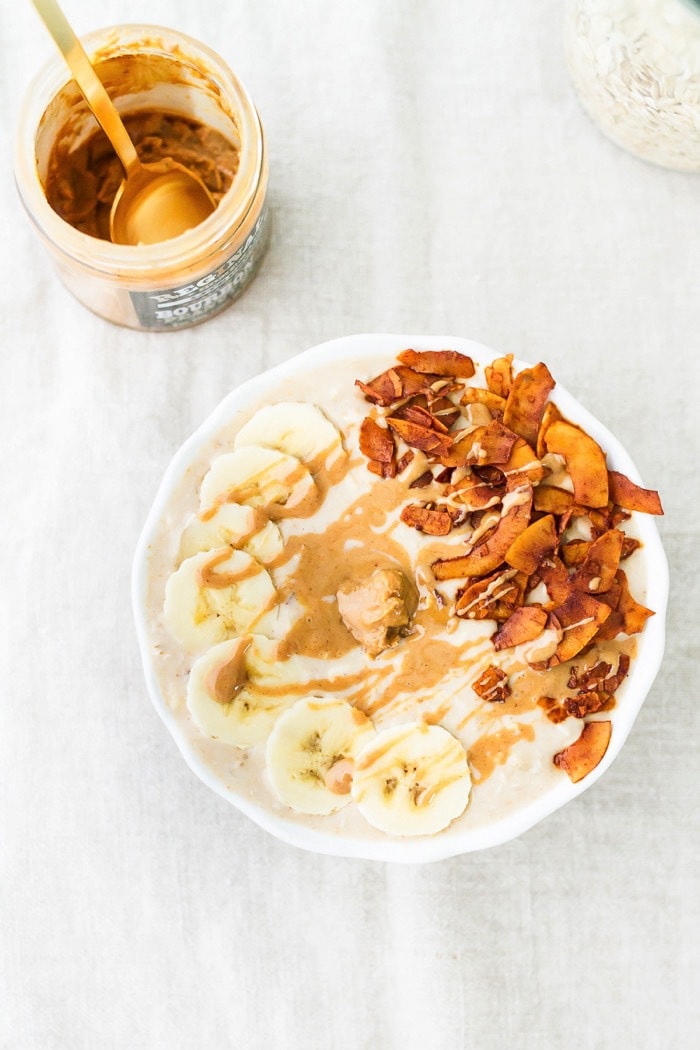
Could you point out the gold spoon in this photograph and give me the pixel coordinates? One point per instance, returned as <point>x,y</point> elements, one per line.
<point>155,201</point>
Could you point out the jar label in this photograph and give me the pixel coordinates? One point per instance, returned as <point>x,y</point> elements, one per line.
<point>190,303</point>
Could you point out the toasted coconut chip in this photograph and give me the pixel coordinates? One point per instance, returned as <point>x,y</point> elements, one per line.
<point>376,442</point>
<point>492,685</point>
<point>462,442</point>
<point>585,462</point>
<point>600,675</point>
<point>522,460</point>
<point>444,409</point>
<point>573,553</point>
<point>491,475</point>
<point>627,615</point>
<point>552,500</point>
<point>554,575</point>
<point>417,414</point>
<point>580,616</point>
<point>439,362</point>
<point>590,677</point>
<point>493,446</point>
<point>613,682</point>
<point>537,542</point>
<point>383,470</point>
<point>489,554</point>
<point>629,546</point>
<point>588,702</point>
<point>604,518</point>
<point>596,574</point>
<point>493,598</point>
<point>434,522</point>
<point>476,395</point>
<point>526,401</point>
<point>551,415</point>
<point>476,494</point>
<point>630,496</point>
<point>580,758</point>
<point>499,375</point>
<point>422,481</point>
<point>405,461</point>
<point>394,385</point>
<point>420,437</point>
<point>523,625</point>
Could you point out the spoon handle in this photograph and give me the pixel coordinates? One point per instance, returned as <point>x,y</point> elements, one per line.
<point>88,81</point>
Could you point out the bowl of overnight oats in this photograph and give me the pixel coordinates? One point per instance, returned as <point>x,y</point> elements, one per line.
<point>400,598</point>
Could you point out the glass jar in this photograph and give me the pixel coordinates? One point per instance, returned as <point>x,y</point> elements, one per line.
<point>636,67</point>
<point>175,283</point>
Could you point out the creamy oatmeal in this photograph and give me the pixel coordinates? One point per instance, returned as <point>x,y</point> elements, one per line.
<point>400,607</point>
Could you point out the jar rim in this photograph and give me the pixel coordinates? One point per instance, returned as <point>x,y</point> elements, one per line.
<point>139,261</point>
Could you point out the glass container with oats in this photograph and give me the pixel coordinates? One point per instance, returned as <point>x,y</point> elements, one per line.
<point>635,65</point>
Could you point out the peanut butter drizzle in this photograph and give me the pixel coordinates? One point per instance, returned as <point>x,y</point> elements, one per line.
<point>328,476</point>
<point>493,749</point>
<point>258,520</point>
<point>337,684</point>
<point>323,480</point>
<point>208,577</point>
<point>302,508</point>
<point>426,662</point>
<point>226,680</point>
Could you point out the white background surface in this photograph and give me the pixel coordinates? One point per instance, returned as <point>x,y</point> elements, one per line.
<point>431,171</point>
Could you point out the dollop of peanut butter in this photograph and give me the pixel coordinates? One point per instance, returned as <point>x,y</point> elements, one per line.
<point>377,610</point>
<point>82,180</point>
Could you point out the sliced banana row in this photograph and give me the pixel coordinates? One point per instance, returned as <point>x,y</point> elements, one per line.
<point>411,779</point>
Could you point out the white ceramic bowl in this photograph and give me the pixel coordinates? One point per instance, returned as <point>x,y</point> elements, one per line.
<point>374,352</point>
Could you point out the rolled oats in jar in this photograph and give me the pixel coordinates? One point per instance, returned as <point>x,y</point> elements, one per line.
<point>152,74</point>
<point>635,65</point>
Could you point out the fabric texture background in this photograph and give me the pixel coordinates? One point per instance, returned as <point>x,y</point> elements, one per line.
<point>431,171</point>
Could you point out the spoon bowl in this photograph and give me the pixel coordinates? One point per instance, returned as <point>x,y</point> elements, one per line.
<point>154,202</point>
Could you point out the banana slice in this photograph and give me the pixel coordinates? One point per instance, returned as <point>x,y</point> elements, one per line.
<point>296,427</point>
<point>412,779</point>
<point>258,477</point>
<point>311,752</point>
<point>215,595</point>
<point>237,689</point>
<point>233,525</point>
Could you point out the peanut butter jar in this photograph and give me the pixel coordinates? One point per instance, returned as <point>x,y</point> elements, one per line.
<point>175,283</point>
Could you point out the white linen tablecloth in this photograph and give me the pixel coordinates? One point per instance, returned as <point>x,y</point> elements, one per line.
<point>431,171</point>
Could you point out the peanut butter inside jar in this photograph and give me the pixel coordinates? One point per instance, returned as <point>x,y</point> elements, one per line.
<point>82,181</point>
<point>177,99</point>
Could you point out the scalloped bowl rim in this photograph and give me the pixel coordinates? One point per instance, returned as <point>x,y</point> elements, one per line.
<point>645,666</point>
